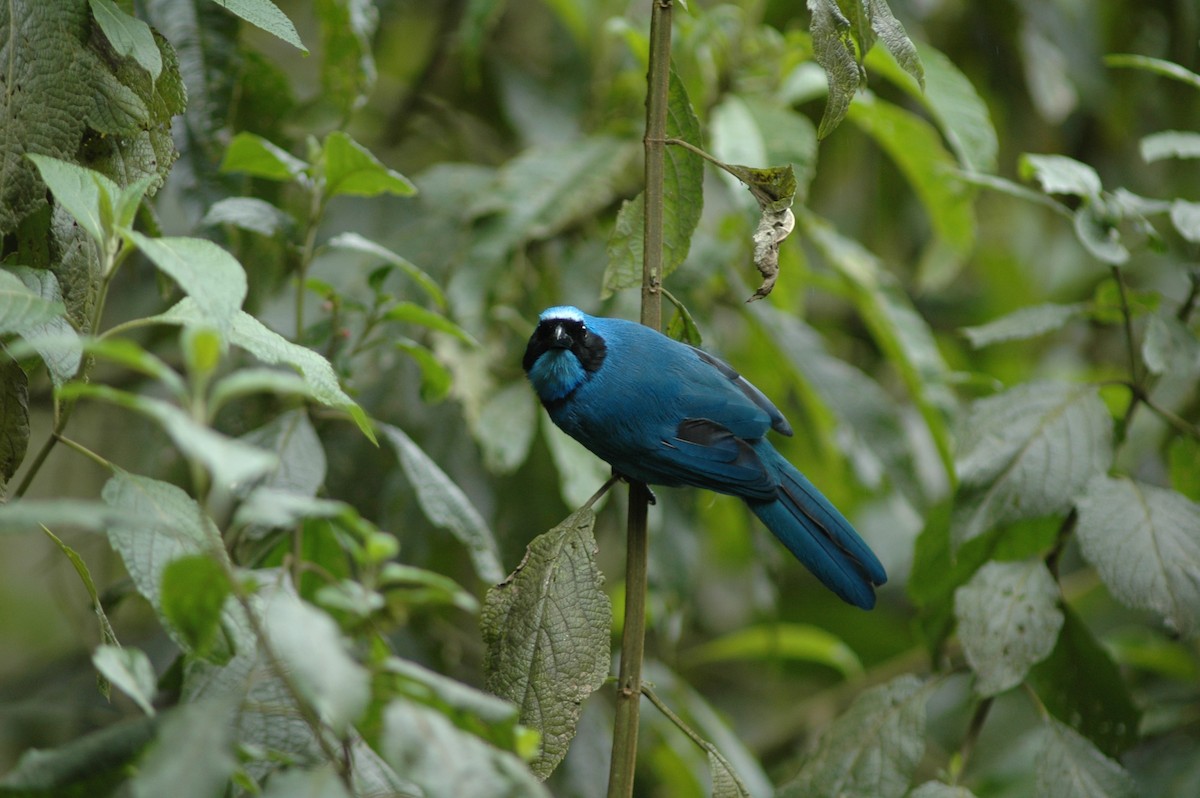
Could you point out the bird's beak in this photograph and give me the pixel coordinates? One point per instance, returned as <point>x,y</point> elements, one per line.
<point>561,339</point>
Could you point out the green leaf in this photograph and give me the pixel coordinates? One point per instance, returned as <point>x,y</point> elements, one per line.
<point>1157,66</point>
<point>446,505</point>
<point>1068,766</point>
<point>1008,620</point>
<point>683,201</point>
<point>353,242</point>
<point>94,764</point>
<point>131,355</point>
<point>933,173</point>
<point>248,213</point>
<point>505,427</point>
<point>1186,218</point>
<point>547,628</point>
<point>14,423</point>
<point>1081,685</point>
<point>835,50</point>
<point>28,514</point>
<point>409,585</point>
<point>193,593</point>
<point>1169,347</point>
<point>130,670</point>
<point>107,635</point>
<point>268,346</point>
<point>1024,323</point>
<point>1182,456</point>
<point>22,309</point>
<point>447,762</point>
<point>276,508</point>
<point>209,275</point>
<point>873,749</point>
<point>1099,235</point>
<point>157,524</point>
<point>79,191</point>
<point>1027,453</point>
<point>347,66</point>
<point>436,379</point>
<point>204,733</point>
<point>230,462</point>
<point>129,36</point>
<point>1170,144</point>
<point>54,339</point>
<point>1145,542</point>
<point>781,641</point>
<point>895,40</point>
<point>413,313</point>
<point>311,647</point>
<point>265,15</point>
<point>1058,174</point>
<point>959,111</point>
<point>301,458</point>
<point>350,169</point>
<point>253,155</point>
<point>320,782</point>
<point>940,568</point>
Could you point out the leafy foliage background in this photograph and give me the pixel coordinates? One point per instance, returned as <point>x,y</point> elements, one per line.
<point>984,331</point>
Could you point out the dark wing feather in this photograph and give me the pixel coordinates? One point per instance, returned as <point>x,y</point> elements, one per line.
<point>705,454</point>
<point>778,422</point>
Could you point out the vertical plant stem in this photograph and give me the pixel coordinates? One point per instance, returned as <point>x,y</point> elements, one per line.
<point>629,682</point>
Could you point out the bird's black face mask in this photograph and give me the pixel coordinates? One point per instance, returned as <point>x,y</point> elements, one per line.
<point>570,334</point>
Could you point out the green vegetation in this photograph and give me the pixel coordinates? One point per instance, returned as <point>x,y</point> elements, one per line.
<point>267,453</point>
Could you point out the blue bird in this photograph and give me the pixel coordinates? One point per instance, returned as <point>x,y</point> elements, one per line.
<point>665,413</point>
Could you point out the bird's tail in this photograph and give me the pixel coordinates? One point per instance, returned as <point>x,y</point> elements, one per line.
<point>820,536</point>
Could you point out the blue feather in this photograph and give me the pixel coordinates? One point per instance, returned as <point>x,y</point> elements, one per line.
<point>665,413</point>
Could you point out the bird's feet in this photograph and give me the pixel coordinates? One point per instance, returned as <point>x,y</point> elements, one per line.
<point>649,491</point>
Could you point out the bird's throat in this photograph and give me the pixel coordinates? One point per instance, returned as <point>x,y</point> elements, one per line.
<point>556,374</point>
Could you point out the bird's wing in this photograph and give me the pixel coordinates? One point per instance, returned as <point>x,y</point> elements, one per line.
<point>708,455</point>
<point>778,422</point>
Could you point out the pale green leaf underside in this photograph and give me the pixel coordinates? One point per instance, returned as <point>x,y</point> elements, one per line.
<point>446,505</point>
<point>1008,620</point>
<point>1145,542</point>
<point>1026,453</point>
<point>1069,766</point>
<point>266,15</point>
<point>1024,323</point>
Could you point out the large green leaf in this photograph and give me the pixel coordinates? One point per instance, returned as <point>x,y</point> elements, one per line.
<point>1068,766</point>
<point>54,339</point>
<point>1028,452</point>
<point>446,505</point>
<point>130,670</point>
<point>350,169</point>
<point>1008,620</point>
<point>835,50</point>
<point>128,35</point>
<point>1145,542</point>
<point>193,592</point>
<point>158,523</point>
<point>872,750</point>
<point>1024,323</point>
<point>781,641</point>
<point>547,631</point>
<point>209,275</point>
<point>1081,685</point>
<point>22,309</point>
<point>683,201</point>
<point>14,423</point>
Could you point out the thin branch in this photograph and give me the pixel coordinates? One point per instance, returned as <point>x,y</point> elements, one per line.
<point>86,452</point>
<point>973,731</point>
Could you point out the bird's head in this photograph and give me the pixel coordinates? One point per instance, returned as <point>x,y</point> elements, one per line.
<point>562,352</point>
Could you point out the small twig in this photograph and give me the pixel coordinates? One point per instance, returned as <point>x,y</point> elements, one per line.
<point>86,452</point>
<point>1064,534</point>
<point>973,731</point>
<point>694,149</point>
<point>613,480</point>
<point>1175,421</point>
<point>1130,346</point>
